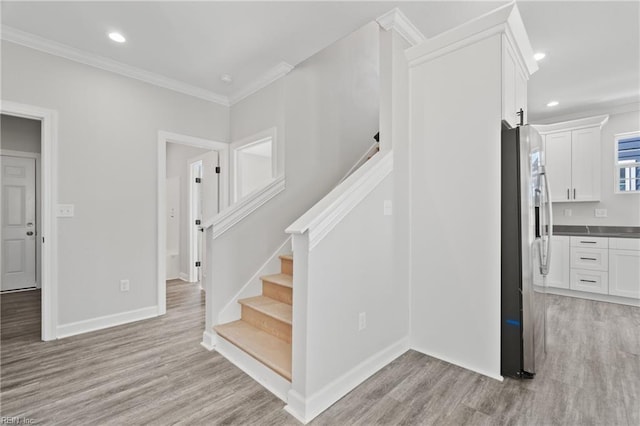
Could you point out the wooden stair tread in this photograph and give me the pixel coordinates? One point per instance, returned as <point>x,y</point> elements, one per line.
<point>268,306</point>
<point>280,279</point>
<point>286,256</point>
<point>269,350</point>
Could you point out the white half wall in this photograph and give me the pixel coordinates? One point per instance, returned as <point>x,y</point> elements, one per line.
<point>622,209</point>
<point>455,206</point>
<point>107,133</point>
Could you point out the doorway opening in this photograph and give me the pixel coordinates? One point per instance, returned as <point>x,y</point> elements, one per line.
<point>192,188</point>
<point>28,228</point>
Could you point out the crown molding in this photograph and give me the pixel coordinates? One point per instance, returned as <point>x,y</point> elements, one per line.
<point>62,50</point>
<point>398,21</point>
<point>261,82</point>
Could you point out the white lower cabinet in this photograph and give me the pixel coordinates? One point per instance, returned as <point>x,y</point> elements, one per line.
<point>559,267</point>
<point>591,281</point>
<point>624,273</point>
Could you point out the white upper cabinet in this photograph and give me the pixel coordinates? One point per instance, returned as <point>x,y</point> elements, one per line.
<point>573,160</point>
<point>514,86</point>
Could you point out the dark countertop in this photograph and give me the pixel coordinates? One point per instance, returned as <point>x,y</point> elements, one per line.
<point>597,231</point>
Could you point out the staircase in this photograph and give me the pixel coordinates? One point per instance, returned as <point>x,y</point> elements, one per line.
<point>264,330</point>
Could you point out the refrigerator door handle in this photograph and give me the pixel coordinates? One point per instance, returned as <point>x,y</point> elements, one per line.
<point>546,234</point>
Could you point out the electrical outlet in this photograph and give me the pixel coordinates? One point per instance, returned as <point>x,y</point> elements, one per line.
<point>388,208</point>
<point>567,212</point>
<point>362,321</point>
<point>124,285</point>
<point>600,213</point>
<point>65,210</point>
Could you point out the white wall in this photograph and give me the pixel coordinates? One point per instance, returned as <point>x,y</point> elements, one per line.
<point>455,163</point>
<point>622,209</point>
<point>20,134</point>
<point>325,112</point>
<point>178,157</point>
<point>107,137</point>
<point>255,172</point>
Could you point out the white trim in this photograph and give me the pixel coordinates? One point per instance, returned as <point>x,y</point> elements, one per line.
<point>62,50</point>
<point>163,138</point>
<point>593,296</point>
<point>611,108</point>
<point>106,321</point>
<point>497,377</point>
<point>184,277</point>
<point>193,243</point>
<point>253,287</point>
<point>261,82</point>
<point>49,191</point>
<point>398,21</point>
<point>23,154</point>
<point>373,150</point>
<point>272,381</point>
<point>231,216</point>
<point>563,126</point>
<point>270,133</point>
<point>328,212</point>
<point>209,340</point>
<point>306,409</point>
<point>503,20</point>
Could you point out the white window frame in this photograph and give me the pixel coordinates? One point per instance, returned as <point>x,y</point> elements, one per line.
<point>617,166</point>
<point>260,137</point>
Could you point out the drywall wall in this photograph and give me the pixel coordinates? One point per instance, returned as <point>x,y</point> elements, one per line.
<point>107,148</point>
<point>173,228</point>
<point>351,280</point>
<point>255,172</point>
<point>178,157</point>
<point>20,134</point>
<point>455,251</point>
<point>325,113</point>
<point>622,209</point>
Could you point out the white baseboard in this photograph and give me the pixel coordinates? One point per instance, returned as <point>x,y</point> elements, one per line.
<point>183,276</point>
<point>272,381</point>
<point>106,321</point>
<point>497,377</point>
<point>209,340</point>
<point>306,409</point>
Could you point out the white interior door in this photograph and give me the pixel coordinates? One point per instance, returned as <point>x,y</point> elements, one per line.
<point>209,199</point>
<point>18,194</point>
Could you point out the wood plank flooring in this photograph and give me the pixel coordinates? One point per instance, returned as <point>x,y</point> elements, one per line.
<point>155,372</point>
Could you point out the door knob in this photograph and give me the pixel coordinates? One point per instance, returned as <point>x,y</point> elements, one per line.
<point>30,233</point>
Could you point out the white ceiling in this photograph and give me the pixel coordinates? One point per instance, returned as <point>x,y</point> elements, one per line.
<point>593,48</point>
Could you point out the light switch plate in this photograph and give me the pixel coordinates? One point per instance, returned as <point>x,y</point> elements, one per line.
<point>65,210</point>
<point>600,212</point>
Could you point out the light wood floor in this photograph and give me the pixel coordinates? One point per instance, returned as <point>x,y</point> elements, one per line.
<point>155,372</point>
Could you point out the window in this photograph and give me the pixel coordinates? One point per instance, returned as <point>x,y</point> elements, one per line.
<point>253,163</point>
<point>627,167</point>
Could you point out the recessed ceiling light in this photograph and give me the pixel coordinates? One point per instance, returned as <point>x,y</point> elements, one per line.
<point>539,56</point>
<point>552,103</point>
<point>226,78</point>
<point>117,37</point>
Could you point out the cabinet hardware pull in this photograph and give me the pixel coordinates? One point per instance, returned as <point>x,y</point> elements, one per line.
<point>588,242</point>
<point>588,258</point>
<point>588,281</point>
<point>568,194</point>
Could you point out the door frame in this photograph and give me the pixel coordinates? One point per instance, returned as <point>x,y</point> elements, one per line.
<point>165,137</point>
<point>193,237</point>
<point>49,197</point>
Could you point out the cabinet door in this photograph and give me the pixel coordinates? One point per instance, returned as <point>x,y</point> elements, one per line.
<point>585,164</point>
<point>624,273</point>
<point>558,165</point>
<point>521,93</point>
<point>508,85</point>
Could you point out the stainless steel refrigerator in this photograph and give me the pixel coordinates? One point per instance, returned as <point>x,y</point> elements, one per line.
<point>526,232</point>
